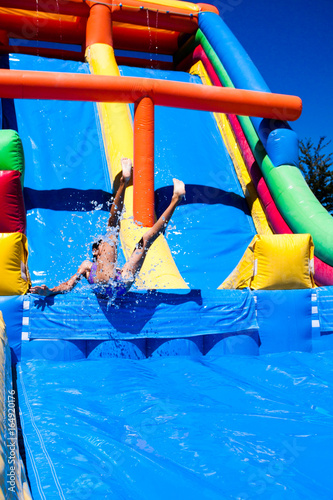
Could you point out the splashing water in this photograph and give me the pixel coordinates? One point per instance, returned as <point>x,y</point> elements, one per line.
<point>156,43</point>
<point>110,303</point>
<point>60,21</point>
<point>37,26</point>
<point>150,41</point>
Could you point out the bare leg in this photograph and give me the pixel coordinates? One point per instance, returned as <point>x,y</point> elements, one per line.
<point>107,249</point>
<point>135,262</point>
<point>118,202</point>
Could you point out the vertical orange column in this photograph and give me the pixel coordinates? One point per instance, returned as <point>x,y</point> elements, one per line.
<point>99,25</point>
<point>143,174</point>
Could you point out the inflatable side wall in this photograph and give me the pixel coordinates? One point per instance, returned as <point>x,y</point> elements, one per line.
<point>14,278</point>
<point>13,483</point>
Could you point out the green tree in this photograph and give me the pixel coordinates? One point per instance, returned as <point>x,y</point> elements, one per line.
<point>315,165</point>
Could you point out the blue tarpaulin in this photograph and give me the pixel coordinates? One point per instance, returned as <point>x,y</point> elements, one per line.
<point>140,315</point>
<point>216,428</point>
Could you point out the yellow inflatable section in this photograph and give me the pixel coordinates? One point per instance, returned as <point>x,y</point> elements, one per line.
<point>159,269</point>
<point>275,262</point>
<point>13,482</point>
<point>14,278</point>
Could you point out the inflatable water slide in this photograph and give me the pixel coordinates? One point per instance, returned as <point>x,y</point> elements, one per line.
<point>212,377</point>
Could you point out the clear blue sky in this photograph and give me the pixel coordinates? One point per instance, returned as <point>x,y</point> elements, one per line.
<point>291,43</point>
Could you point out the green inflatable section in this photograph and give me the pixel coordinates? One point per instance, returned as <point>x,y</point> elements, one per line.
<point>11,152</point>
<point>300,208</point>
<point>295,201</point>
<point>214,59</point>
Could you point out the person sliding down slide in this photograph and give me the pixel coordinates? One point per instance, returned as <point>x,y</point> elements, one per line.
<point>102,273</point>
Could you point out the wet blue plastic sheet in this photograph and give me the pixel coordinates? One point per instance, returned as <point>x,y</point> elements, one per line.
<point>235,427</point>
<point>141,315</point>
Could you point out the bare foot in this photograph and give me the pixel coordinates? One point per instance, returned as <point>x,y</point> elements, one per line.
<point>126,165</point>
<point>178,189</point>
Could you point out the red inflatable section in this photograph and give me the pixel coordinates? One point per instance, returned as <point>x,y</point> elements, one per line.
<point>12,212</point>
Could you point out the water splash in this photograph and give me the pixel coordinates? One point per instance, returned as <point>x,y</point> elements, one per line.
<point>150,40</point>
<point>60,20</point>
<point>156,43</point>
<point>37,26</point>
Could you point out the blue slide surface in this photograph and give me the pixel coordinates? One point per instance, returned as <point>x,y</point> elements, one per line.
<point>66,183</point>
<point>233,427</point>
<point>213,227</point>
<point>201,427</point>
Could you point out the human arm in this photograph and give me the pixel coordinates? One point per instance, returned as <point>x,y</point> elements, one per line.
<point>65,287</point>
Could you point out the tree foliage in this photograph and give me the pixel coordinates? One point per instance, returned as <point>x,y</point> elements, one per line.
<point>315,164</point>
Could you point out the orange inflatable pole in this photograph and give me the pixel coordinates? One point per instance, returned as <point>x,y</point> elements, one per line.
<point>145,93</point>
<point>143,173</point>
<point>99,25</point>
<point>98,88</point>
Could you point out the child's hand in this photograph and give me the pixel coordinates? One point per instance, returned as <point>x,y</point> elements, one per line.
<point>42,290</point>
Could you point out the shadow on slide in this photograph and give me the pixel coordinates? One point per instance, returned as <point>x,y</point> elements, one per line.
<point>67,199</point>
<point>206,195</point>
